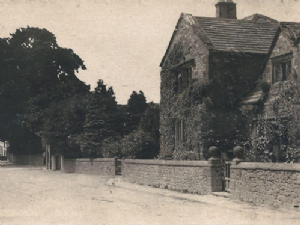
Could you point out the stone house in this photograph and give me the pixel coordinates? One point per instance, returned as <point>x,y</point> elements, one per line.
<point>217,70</point>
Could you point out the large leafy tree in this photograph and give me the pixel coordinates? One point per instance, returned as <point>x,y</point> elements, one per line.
<point>35,74</point>
<point>63,125</point>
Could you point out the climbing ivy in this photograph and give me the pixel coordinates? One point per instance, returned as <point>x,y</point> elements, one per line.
<point>275,139</point>
<point>216,117</point>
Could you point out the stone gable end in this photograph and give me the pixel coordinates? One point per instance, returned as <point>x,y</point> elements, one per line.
<point>190,38</point>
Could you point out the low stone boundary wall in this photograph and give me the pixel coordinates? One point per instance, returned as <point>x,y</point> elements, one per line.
<point>272,184</point>
<point>33,160</point>
<point>201,177</point>
<point>99,166</point>
<point>3,158</point>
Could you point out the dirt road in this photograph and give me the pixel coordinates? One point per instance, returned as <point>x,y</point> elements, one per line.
<point>36,196</point>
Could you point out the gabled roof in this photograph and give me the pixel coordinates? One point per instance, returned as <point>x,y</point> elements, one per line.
<point>198,31</point>
<point>253,34</point>
<point>259,17</point>
<point>294,26</point>
<point>249,36</point>
<point>293,31</point>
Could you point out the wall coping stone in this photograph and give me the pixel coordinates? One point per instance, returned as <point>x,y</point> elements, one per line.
<point>29,154</point>
<point>170,163</point>
<point>92,160</point>
<point>267,166</point>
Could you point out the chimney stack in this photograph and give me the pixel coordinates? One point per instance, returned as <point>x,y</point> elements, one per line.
<point>226,9</point>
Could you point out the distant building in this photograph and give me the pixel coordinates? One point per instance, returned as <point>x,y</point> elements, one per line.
<point>3,148</point>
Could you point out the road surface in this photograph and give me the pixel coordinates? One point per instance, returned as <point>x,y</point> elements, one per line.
<point>36,196</point>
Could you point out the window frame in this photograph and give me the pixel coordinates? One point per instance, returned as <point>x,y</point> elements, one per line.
<point>179,132</point>
<point>178,73</point>
<point>281,65</point>
<point>184,78</point>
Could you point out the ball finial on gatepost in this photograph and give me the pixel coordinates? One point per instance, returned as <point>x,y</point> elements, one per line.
<point>238,152</point>
<point>214,152</point>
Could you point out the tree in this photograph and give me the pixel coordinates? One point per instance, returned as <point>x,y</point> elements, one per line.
<point>48,72</point>
<point>112,147</point>
<point>138,145</point>
<point>142,143</point>
<point>64,124</point>
<point>21,139</point>
<point>102,120</point>
<point>136,107</point>
<point>36,73</point>
<point>150,120</point>
<point>150,124</point>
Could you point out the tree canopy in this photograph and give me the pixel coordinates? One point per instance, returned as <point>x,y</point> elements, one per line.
<point>102,119</point>
<point>35,73</point>
<point>136,107</point>
<point>43,102</point>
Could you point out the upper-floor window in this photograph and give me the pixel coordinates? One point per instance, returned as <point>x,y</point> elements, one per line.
<point>184,77</point>
<point>282,67</point>
<point>183,74</point>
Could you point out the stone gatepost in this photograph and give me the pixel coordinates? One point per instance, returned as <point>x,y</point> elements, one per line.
<point>53,162</point>
<point>215,169</point>
<point>116,166</point>
<point>238,152</point>
<point>62,167</point>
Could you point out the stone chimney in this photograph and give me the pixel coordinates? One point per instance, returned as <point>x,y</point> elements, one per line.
<point>226,9</point>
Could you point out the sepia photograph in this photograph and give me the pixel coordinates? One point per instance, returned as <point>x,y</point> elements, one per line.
<point>149,112</point>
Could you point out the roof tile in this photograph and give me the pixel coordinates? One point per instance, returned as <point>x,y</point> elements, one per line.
<point>239,35</point>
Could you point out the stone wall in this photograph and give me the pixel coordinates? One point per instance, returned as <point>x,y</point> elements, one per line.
<point>3,158</point>
<point>271,184</point>
<point>101,166</point>
<point>173,106</point>
<point>201,177</point>
<point>32,160</point>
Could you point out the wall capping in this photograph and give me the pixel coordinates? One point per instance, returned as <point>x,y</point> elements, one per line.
<point>267,166</point>
<point>171,163</point>
<point>91,160</point>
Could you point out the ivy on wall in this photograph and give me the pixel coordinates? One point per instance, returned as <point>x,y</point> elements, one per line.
<point>275,139</point>
<point>214,115</point>
<point>209,120</point>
